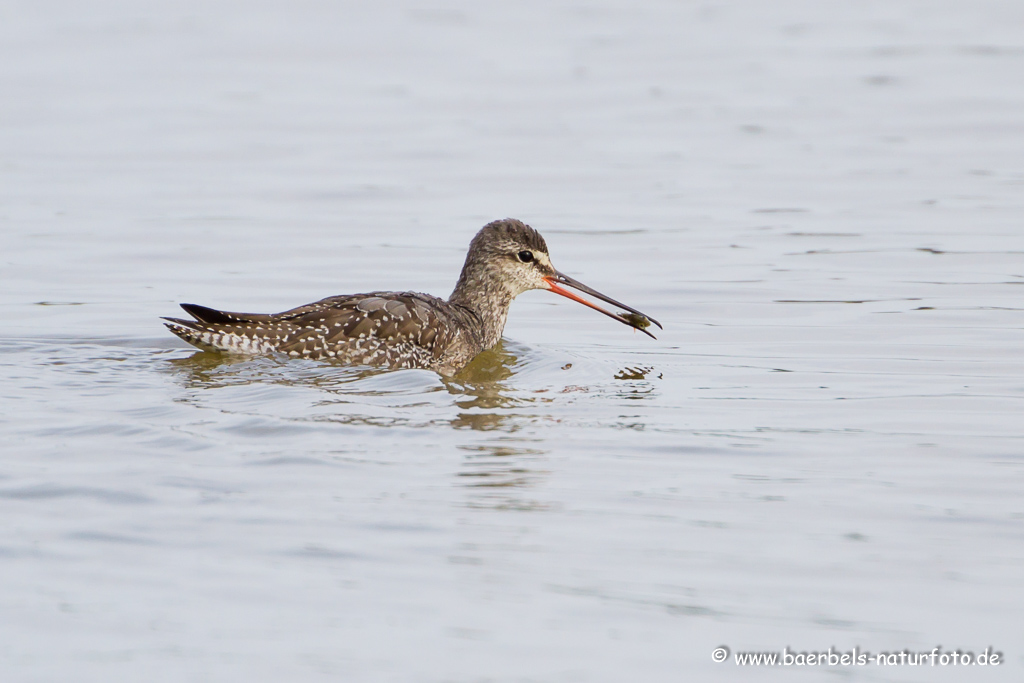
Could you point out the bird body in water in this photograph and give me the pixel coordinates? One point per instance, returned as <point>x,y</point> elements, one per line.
<point>406,329</point>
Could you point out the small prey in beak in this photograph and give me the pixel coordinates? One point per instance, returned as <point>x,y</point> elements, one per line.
<point>633,318</point>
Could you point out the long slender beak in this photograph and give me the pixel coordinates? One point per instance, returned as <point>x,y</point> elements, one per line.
<point>635,319</point>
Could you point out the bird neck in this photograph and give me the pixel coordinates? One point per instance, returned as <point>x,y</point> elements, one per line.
<point>483,294</point>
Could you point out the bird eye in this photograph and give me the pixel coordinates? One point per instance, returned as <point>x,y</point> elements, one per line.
<point>525,256</point>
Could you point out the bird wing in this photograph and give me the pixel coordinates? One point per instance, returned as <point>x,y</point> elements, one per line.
<point>400,329</point>
<point>370,327</point>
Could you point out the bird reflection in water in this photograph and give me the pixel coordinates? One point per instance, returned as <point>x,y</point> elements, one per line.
<point>480,392</point>
<point>496,468</point>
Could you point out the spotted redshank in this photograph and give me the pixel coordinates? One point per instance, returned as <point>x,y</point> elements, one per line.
<point>407,329</point>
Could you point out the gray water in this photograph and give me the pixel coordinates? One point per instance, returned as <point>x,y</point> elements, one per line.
<point>822,202</point>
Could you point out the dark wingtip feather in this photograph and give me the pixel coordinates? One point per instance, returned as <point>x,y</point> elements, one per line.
<point>210,315</point>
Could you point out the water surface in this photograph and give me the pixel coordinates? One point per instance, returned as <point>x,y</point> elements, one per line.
<point>823,448</point>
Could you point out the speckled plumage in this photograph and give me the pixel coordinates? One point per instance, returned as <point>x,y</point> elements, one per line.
<point>394,329</point>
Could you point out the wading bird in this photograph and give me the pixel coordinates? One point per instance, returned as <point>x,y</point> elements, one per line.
<point>406,329</point>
